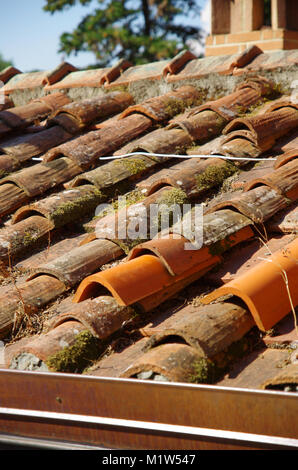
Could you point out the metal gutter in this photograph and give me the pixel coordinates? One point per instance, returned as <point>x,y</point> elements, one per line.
<point>109,413</point>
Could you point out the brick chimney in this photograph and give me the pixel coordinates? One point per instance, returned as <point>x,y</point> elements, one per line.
<point>238,24</point>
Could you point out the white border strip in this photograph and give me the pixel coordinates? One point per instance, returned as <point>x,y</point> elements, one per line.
<point>159,427</point>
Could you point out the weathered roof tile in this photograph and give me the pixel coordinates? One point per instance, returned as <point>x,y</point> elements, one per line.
<point>118,283</point>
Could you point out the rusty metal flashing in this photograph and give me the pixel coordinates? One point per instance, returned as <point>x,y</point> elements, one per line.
<point>51,405</point>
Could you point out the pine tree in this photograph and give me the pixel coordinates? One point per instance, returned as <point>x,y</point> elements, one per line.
<point>139,31</point>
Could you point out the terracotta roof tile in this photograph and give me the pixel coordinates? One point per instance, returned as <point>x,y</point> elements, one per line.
<point>29,80</point>
<point>271,61</point>
<point>35,111</point>
<point>152,71</point>
<point>8,73</point>
<point>268,288</point>
<point>87,78</point>
<point>197,68</point>
<point>243,258</point>
<point>152,294</point>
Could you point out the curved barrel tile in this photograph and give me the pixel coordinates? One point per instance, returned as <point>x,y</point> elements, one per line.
<point>209,329</point>
<point>171,251</point>
<point>127,282</point>
<point>39,178</point>
<point>259,204</point>
<point>44,345</point>
<point>27,299</point>
<point>286,380</point>
<point>102,316</point>
<point>72,267</point>
<point>77,115</point>
<point>264,287</point>
<point>87,148</point>
<point>162,108</point>
<point>174,362</point>
<point>285,158</point>
<point>266,128</point>
<point>283,180</point>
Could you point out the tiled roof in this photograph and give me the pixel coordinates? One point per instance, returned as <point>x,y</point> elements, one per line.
<point>77,296</point>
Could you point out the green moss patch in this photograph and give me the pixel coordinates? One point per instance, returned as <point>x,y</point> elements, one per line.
<point>74,210</point>
<point>214,176</point>
<point>173,196</point>
<point>77,357</point>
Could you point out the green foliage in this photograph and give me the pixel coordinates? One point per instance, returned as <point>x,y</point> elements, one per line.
<point>139,31</point>
<point>267,12</point>
<point>4,63</point>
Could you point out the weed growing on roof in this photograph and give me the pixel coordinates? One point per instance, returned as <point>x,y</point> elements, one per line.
<point>204,371</point>
<point>174,106</point>
<point>214,176</point>
<point>77,357</point>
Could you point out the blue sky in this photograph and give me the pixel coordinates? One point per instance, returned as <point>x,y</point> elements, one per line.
<point>30,36</point>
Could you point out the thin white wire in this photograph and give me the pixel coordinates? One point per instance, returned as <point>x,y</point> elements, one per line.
<point>170,155</point>
<point>224,157</point>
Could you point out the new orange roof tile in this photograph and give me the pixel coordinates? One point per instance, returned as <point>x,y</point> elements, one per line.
<point>141,277</point>
<point>171,251</point>
<point>269,290</point>
<point>247,255</point>
<point>128,282</point>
